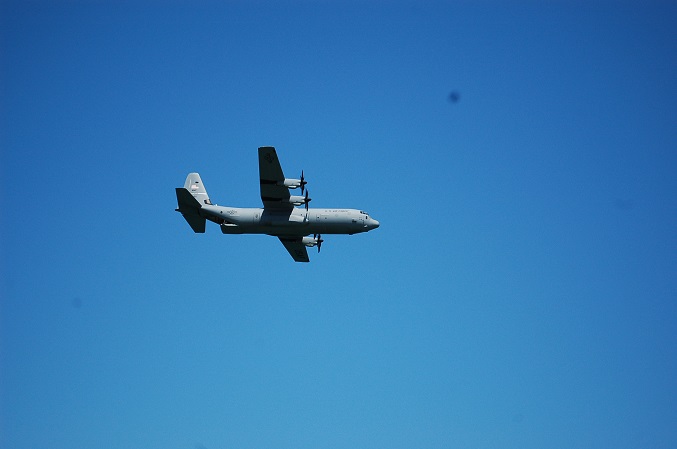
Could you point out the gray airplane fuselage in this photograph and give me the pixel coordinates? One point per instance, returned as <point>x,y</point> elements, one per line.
<point>298,221</point>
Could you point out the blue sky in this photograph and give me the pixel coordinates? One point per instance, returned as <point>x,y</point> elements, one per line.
<point>520,292</point>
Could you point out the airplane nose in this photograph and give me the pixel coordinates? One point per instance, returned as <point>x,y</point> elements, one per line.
<point>374,224</point>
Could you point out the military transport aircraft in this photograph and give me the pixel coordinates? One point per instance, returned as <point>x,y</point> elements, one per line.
<point>279,217</point>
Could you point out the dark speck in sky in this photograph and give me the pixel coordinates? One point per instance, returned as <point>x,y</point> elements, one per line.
<point>454,96</point>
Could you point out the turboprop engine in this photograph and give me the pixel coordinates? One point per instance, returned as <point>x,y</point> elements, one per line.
<point>295,183</point>
<point>315,240</point>
<point>300,200</point>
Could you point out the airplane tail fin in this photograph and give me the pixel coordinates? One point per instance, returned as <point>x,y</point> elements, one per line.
<point>191,197</point>
<point>196,188</point>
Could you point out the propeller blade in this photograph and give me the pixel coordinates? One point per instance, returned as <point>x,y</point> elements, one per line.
<point>303,183</point>
<point>319,242</point>
<point>307,200</point>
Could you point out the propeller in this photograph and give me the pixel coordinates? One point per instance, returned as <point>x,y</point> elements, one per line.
<point>307,200</point>
<point>303,183</point>
<point>318,239</point>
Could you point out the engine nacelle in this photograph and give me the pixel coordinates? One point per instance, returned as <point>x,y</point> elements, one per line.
<point>297,200</point>
<point>309,241</point>
<point>292,183</point>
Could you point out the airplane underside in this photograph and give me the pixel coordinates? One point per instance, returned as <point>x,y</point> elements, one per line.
<point>283,230</point>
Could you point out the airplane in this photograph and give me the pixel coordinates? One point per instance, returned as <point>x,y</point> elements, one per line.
<point>279,216</point>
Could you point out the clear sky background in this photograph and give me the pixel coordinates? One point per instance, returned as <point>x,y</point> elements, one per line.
<point>521,291</point>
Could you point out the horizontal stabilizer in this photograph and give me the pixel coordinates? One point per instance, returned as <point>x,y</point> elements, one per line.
<point>189,207</point>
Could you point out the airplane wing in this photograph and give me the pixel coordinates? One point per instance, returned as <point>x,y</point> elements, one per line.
<point>296,248</point>
<point>273,190</point>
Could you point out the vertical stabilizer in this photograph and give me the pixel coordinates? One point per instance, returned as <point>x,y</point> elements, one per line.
<point>196,188</point>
